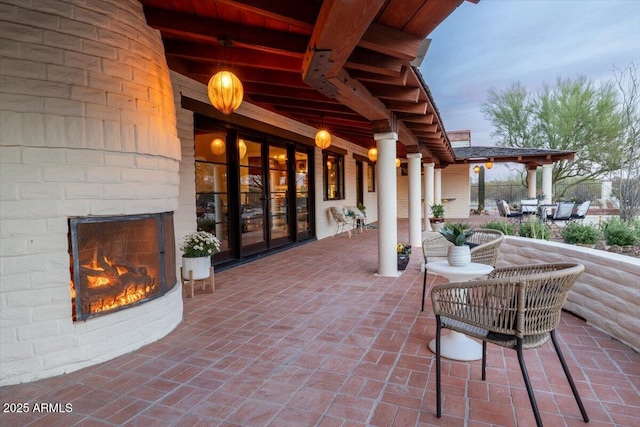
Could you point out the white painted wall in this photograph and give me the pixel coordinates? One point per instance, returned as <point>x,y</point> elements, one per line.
<point>607,294</point>
<point>87,127</point>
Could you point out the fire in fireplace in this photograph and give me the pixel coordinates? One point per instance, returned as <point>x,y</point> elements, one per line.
<point>120,261</point>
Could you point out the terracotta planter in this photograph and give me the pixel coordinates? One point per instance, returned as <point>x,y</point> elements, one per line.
<point>459,256</point>
<point>200,267</point>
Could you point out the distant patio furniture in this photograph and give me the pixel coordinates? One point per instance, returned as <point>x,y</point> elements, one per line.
<point>562,213</point>
<point>581,212</point>
<point>343,222</point>
<point>484,244</point>
<point>505,212</point>
<point>359,218</point>
<point>517,307</point>
<point>529,206</point>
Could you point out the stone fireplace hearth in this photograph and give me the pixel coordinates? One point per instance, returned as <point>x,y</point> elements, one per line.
<point>87,130</point>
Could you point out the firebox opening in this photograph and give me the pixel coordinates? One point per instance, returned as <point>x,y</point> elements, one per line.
<point>120,261</point>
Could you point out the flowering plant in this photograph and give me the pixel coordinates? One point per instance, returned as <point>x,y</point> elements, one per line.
<point>404,248</point>
<point>199,244</point>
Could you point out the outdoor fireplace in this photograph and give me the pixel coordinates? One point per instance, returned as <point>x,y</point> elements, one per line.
<point>120,261</point>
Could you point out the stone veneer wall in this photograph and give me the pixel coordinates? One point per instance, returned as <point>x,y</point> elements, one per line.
<point>607,294</point>
<point>87,127</point>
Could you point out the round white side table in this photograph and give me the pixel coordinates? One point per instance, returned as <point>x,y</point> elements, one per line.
<point>455,345</point>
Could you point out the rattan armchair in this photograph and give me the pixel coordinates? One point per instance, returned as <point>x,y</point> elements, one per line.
<point>485,244</point>
<point>516,307</point>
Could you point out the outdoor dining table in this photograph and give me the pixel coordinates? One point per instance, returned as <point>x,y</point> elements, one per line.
<point>455,345</point>
<point>542,210</point>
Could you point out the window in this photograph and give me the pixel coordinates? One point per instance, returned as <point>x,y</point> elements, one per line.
<point>333,174</point>
<point>371,177</point>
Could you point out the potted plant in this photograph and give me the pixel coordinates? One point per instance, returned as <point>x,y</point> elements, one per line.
<point>197,249</point>
<point>460,253</point>
<point>437,220</point>
<point>404,251</point>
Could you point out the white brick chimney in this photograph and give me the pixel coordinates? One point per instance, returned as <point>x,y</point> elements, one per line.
<point>87,128</point>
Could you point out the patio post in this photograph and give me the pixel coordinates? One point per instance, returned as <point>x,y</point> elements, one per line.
<point>428,194</point>
<point>531,182</point>
<point>387,204</point>
<point>437,187</point>
<point>415,217</point>
<point>547,176</point>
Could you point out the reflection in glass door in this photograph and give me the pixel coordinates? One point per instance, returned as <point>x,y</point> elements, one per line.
<point>303,222</point>
<point>252,196</point>
<point>278,186</point>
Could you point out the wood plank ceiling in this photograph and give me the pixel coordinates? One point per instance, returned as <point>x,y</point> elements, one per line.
<point>341,63</point>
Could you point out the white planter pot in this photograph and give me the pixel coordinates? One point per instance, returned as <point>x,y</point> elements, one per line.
<point>459,256</point>
<point>199,266</point>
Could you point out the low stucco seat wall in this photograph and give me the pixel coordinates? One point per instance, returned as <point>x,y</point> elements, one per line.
<point>607,295</point>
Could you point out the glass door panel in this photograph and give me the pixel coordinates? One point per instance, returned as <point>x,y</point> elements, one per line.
<point>278,185</point>
<point>212,196</point>
<point>303,223</point>
<point>252,195</point>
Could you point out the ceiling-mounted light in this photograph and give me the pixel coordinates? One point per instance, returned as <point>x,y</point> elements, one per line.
<point>323,139</point>
<point>476,169</point>
<point>225,89</point>
<point>373,154</point>
<point>488,165</point>
<point>242,148</point>
<point>217,147</point>
<point>282,159</point>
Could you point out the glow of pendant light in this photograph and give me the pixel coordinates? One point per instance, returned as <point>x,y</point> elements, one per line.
<point>373,154</point>
<point>225,92</point>
<point>242,148</point>
<point>488,165</point>
<point>476,169</point>
<point>398,162</point>
<point>323,139</point>
<point>282,159</point>
<point>217,147</point>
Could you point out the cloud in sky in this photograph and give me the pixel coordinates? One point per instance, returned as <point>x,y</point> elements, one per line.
<point>495,43</point>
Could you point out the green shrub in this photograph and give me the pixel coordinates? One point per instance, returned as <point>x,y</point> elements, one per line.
<point>506,227</point>
<point>535,229</point>
<point>618,232</point>
<point>575,232</point>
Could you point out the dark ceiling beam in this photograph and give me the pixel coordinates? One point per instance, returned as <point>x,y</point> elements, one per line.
<point>389,41</point>
<point>307,93</point>
<point>197,28</point>
<point>370,61</point>
<point>428,17</point>
<point>418,127</point>
<point>303,15</point>
<point>302,104</point>
<point>363,76</point>
<point>286,78</point>
<point>416,118</point>
<point>199,52</point>
<point>407,107</point>
<point>401,93</point>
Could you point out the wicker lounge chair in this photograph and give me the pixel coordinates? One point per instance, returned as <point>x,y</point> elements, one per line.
<point>517,308</point>
<point>484,243</point>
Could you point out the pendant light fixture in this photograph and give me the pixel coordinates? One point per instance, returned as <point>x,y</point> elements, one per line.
<point>476,169</point>
<point>225,89</point>
<point>372,154</point>
<point>488,165</point>
<point>398,162</point>
<point>323,139</point>
<point>242,148</point>
<point>217,147</point>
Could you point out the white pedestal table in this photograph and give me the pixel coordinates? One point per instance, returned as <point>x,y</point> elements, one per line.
<point>455,345</point>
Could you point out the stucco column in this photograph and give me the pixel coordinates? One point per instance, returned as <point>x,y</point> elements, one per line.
<point>415,217</point>
<point>531,183</point>
<point>547,184</point>
<point>387,204</point>
<point>428,194</point>
<point>437,187</point>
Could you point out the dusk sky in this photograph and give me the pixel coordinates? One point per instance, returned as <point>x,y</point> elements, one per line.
<point>497,42</point>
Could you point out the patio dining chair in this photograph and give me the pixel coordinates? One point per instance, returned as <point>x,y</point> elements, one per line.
<point>505,212</point>
<point>485,244</point>
<point>581,211</point>
<point>562,213</point>
<point>516,307</point>
<point>529,206</point>
<point>343,222</point>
